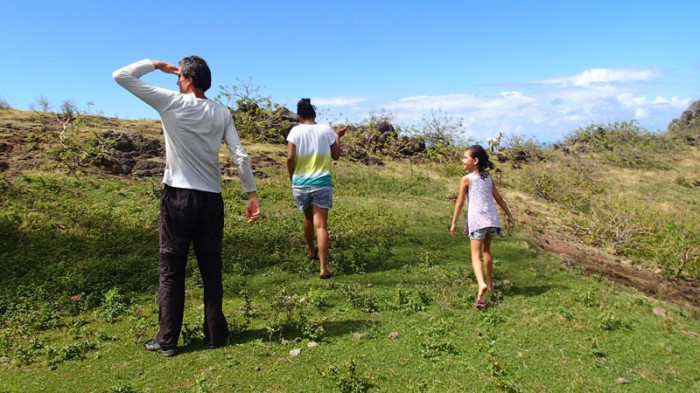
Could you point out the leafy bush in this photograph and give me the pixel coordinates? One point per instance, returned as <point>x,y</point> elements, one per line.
<point>256,117</point>
<point>359,298</point>
<point>347,379</point>
<point>519,149</point>
<point>622,144</point>
<point>291,314</point>
<point>412,301</point>
<point>685,133</point>
<point>113,305</point>
<point>378,136</point>
<point>442,136</point>
<point>29,309</point>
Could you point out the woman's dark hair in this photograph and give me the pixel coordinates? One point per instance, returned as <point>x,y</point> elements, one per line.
<point>478,152</point>
<point>196,68</point>
<point>305,110</point>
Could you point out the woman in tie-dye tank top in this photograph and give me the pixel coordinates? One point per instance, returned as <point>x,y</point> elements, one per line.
<point>310,149</point>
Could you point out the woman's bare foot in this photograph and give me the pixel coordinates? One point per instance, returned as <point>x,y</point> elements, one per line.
<point>312,254</point>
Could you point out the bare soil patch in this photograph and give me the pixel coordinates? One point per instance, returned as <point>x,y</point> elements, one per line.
<point>612,267</point>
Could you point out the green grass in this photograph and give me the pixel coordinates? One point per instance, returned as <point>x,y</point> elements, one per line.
<point>647,216</point>
<point>77,299</point>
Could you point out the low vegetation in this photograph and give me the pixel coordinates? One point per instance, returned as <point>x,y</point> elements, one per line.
<point>622,189</point>
<point>79,254</point>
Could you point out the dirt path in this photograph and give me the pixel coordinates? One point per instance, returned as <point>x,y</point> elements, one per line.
<point>538,221</point>
<point>611,267</point>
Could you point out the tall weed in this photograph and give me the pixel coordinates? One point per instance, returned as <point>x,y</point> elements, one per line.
<point>642,232</point>
<point>570,185</point>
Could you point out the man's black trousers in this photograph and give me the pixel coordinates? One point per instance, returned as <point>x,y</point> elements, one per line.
<point>197,217</point>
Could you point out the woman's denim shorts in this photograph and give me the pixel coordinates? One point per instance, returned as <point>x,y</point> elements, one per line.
<point>306,196</point>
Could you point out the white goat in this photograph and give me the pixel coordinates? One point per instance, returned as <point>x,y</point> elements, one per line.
<point>493,142</point>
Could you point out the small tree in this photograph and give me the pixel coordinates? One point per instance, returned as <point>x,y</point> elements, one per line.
<point>440,129</point>
<point>256,117</point>
<point>43,104</point>
<point>69,109</point>
<point>242,93</point>
<point>440,132</point>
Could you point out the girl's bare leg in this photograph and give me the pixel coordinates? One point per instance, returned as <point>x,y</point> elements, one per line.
<point>488,263</point>
<point>476,266</point>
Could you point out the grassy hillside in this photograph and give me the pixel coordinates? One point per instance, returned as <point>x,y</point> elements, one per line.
<point>79,257</point>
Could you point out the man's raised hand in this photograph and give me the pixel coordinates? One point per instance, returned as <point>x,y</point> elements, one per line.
<point>166,67</point>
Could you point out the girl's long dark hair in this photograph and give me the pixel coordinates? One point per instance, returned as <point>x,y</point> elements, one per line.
<point>478,152</point>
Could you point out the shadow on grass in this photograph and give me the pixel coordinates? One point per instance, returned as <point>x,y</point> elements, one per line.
<point>527,291</point>
<point>331,329</point>
<point>63,262</point>
<point>66,236</point>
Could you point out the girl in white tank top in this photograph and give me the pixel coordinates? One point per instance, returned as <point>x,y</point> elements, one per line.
<point>482,222</point>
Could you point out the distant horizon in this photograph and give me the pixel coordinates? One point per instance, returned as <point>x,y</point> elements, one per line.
<point>322,119</point>
<point>533,68</point>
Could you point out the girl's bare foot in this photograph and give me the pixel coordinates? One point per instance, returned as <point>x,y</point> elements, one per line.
<point>482,293</point>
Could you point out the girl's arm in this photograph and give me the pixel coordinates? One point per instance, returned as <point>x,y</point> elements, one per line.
<point>502,203</point>
<point>463,187</point>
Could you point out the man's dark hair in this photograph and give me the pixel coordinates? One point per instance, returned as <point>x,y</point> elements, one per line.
<point>196,68</point>
<point>305,110</point>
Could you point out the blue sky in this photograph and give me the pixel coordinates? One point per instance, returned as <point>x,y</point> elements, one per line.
<point>532,68</point>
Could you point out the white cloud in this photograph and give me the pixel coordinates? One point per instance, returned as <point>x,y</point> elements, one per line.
<point>547,109</point>
<point>604,76</point>
<point>337,101</point>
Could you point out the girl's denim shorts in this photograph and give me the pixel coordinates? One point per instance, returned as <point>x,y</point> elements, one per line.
<point>481,234</point>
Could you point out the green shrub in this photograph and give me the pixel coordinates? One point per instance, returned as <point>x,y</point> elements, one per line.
<point>291,315</point>
<point>519,149</point>
<point>623,144</point>
<point>360,298</point>
<point>347,379</point>
<point>256,117</point>
<point>113,305</point>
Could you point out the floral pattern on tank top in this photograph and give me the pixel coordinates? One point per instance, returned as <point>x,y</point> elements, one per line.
<point>481,208</point>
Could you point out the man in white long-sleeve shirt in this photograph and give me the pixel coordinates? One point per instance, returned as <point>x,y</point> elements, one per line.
<point>191,206</point>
